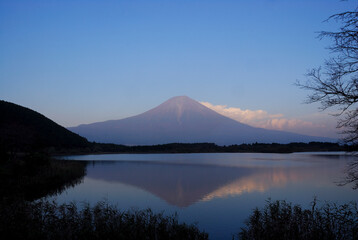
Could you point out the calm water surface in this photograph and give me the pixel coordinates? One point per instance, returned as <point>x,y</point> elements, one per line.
<point>218,191</point>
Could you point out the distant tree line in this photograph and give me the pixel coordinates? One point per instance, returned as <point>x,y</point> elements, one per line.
<point>213,148</point>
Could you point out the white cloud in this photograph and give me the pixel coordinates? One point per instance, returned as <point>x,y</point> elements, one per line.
<point>263,119</point>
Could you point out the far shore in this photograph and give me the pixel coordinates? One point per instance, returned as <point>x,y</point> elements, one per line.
<point>178,148</point>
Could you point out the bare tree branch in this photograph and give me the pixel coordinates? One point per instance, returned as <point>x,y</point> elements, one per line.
<point>336,84</point>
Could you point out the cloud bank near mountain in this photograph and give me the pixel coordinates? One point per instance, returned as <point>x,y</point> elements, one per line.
<point>263,119</point>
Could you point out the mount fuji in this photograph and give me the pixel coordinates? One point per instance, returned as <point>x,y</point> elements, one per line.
<point>183,120</point>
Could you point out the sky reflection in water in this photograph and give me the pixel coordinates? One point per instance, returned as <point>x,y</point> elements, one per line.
<point>216,190</point>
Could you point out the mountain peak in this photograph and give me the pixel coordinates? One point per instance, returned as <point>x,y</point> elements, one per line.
<point>180,101</point>
<point>180,98</point>
<point>182,119</point>
<point>178,105</point>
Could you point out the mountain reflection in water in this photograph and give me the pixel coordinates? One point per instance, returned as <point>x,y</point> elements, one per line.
<point>185,184</point>
<point>216,190</point>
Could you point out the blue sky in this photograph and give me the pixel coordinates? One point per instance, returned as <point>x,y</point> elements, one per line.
<point>86,61</point>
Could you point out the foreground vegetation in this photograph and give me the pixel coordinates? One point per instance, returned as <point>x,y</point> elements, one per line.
<point>48,220</point>
<point>277,220</point>
<point>282,220</point>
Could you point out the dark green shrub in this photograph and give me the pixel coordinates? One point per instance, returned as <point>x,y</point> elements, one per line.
<point>282,220</point>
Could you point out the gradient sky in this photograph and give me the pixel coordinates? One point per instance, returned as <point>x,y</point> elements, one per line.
<point>86,61</point>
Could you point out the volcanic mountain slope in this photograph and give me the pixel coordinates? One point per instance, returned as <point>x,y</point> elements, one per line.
<point>182,119</point>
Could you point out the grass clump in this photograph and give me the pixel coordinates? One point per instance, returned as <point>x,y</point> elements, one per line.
<point>282,220</point>
<point>49,220</point>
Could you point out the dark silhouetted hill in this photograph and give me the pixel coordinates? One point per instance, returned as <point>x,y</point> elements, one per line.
<point>22,129</point>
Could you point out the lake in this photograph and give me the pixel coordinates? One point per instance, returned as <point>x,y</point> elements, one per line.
<point>215,190</point>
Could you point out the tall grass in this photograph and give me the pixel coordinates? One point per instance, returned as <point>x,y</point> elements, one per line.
<point>282,220</point>
<point>48,220</point>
